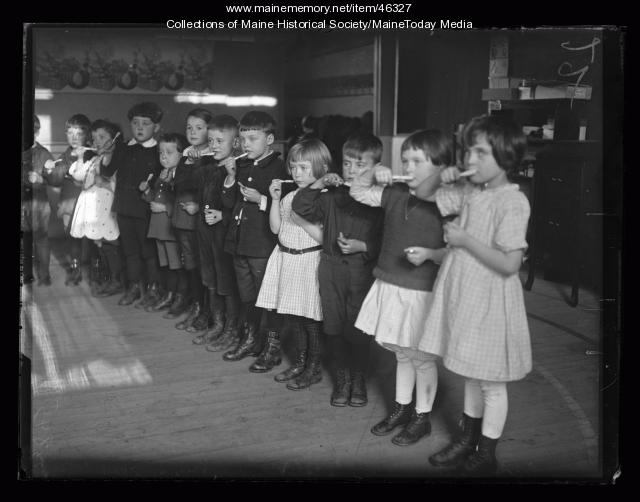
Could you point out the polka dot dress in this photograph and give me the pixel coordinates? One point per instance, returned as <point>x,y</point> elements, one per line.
<point>92,217</point>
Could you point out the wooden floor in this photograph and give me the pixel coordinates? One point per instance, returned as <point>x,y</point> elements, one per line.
<point>119,393</point>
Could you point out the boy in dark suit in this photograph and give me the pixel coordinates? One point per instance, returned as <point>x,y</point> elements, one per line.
<point>135,163</point>
<point>249,238</point>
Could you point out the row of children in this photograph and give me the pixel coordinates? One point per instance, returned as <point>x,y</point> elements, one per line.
<point>351,257</point>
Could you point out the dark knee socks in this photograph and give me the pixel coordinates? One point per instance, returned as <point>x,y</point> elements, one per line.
<point>172,280</point>
<point>338,351</point>
<point>183,284</point>
<point>232,305</point>
<point>216,301</point>
<point>112,254</point>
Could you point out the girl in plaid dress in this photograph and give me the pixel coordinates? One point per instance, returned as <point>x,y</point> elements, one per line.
<point>290,285</point>
<point>477,321</point>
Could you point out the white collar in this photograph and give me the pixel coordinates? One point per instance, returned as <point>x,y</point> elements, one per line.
<point>150,143</point>
<point>257,161</point>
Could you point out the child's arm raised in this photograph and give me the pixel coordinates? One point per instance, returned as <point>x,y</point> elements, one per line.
<point>275,220</point>
<point>503,262</point>
<point>363,190</point>
<point>309,204</point>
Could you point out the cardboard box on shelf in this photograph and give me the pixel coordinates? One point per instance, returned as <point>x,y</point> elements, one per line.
<point>562,91</point>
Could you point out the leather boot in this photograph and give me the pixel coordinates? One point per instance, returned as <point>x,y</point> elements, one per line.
<point>300,338</point>
<point>418,427</point>
<point>270,355</point>
<point>163,303</point>
<point>358,390</point>
<point>248,346</point>
<point>482,462</point>
<point>178,307</point>
<point>132,294</point>
<point>214,333</point>
<point>313,370</point>
<point>455,454</point>
<point>151,296</point>
<point>229,336</point>
<point>342,389</point>
<point>194,311</point>
<point>201,322</point>
<point>400,415</point>
<point>94,274</point>
<point>74,275</point>
<point>112,287</point>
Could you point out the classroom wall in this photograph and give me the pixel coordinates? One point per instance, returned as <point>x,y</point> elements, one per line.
<point>441,77</point>
<point>305,65</point>
<point>246,67</point>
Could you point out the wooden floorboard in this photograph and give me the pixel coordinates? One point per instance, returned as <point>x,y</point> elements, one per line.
<point>120,393</point>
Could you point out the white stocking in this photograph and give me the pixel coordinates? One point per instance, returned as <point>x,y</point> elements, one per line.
<point>426,384</point>
<point>405,378</point>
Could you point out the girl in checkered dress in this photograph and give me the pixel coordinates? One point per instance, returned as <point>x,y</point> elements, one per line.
<point>477,321</point>
<point>290,285</point>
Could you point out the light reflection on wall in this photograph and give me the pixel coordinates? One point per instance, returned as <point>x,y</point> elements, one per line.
<point>223,99</point>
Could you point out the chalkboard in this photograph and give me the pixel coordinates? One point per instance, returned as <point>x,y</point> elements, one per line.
<point>565,55</point>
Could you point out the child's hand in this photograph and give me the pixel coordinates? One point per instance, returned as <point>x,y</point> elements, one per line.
<point>143,186</point>
<point>212,216</point>
<point>455,235</point>
<point>450,175</point>
<point>350,246</point>
<point>251,194</point>
<point>418,255</point>
<point>157,207</point>
<point>230,165</point>
<point>49,165</point>
<point>331,179</point>
<point>34,177</point>
<point>79,151</point>
<point>275,189</point>
<point>190,207</point>
<point>194,154</point>
<point>383,175</point>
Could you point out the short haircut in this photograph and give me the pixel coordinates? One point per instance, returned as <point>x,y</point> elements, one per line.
<point>108,126</point>
<point>436,145</point>
<point>314,151</point>
<point>310,122</point>
<point>201,113</point>
<point>260,121</point>
<point>146,109</point>
<point>358,144</point>
<point>174,137</point>
<point>508,142</point>
<point>81,121</point>
<point>223,123</point>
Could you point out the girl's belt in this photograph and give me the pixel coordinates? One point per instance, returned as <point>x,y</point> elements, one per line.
<point>285,249</point>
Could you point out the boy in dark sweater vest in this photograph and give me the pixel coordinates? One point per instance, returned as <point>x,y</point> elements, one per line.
<point>351,242</point>
<point>134,163</point>
<point>249,238</point>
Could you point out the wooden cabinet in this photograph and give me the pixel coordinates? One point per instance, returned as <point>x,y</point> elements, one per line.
<point>565,226</point>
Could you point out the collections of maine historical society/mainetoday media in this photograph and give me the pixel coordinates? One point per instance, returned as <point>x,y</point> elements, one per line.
<point>325,24</point>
